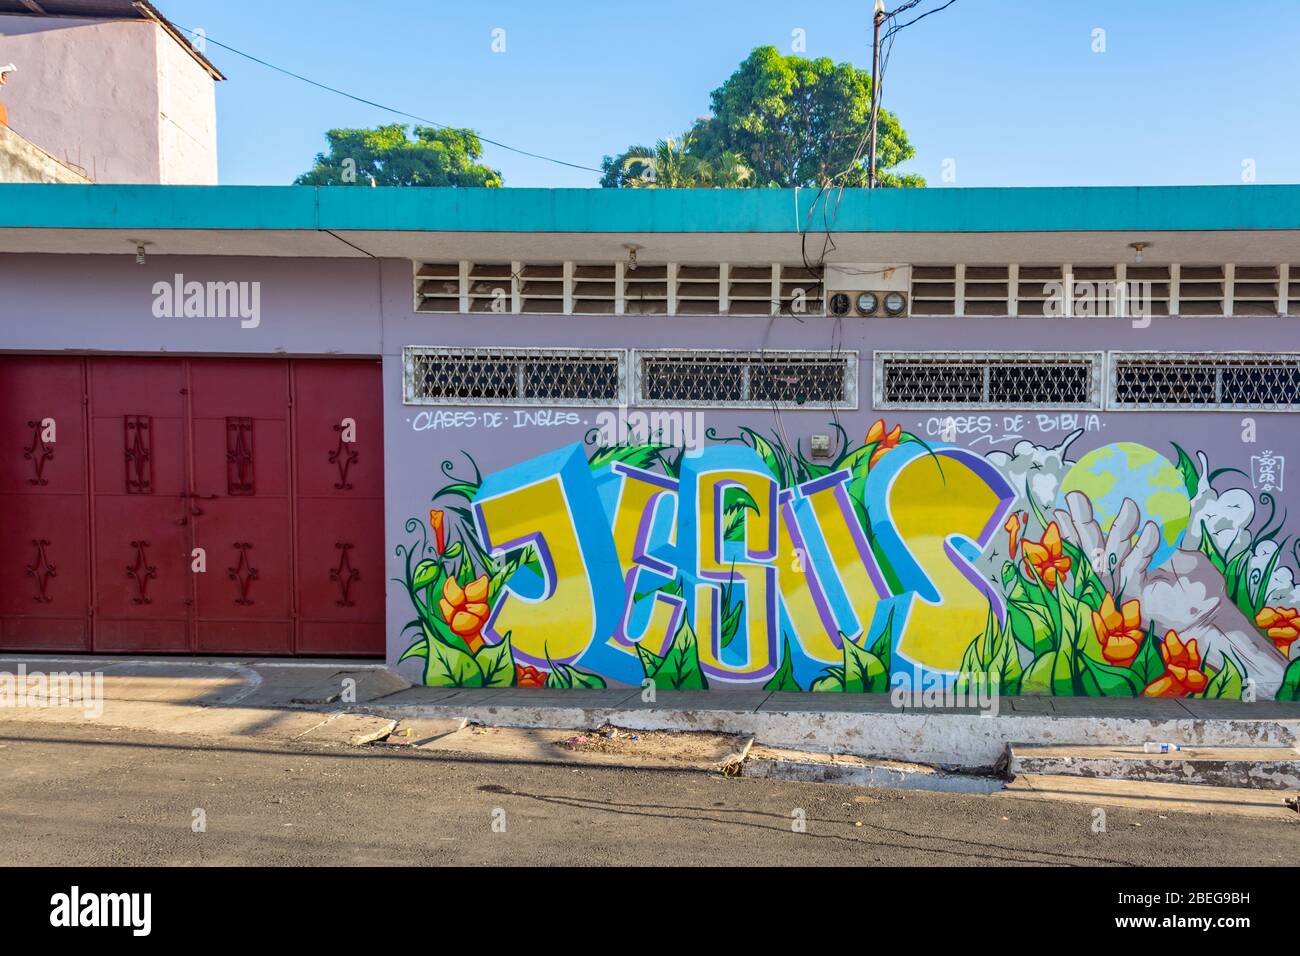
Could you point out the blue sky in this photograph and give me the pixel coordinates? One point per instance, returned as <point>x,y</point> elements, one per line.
<point>1009,90</point>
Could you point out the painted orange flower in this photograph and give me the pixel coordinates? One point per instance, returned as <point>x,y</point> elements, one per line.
<point>1012,528</point>
<point>529,676</point>
<point>1119,630</point>
<point>1281,624</point>
<point>884,440</point>
<point>466,610</point>
<point>1183,674</point>
<point>1045,557</point>
<point>436,519</point>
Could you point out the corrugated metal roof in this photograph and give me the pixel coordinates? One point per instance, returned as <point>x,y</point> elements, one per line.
<point>107,10</point>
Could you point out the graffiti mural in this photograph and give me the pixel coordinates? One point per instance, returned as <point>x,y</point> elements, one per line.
<point>905,562</point>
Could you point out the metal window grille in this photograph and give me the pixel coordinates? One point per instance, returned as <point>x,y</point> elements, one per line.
<point>988,379</point>
<point>724,379</point>
<point>1205,380</point>
<point>493,376</point>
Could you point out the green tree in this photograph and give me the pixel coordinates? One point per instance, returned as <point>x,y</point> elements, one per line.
<point>790,121</point>
<point>389,157</point>
<point>673,165</point>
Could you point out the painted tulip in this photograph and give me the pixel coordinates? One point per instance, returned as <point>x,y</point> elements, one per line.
<point>465,610</point>
<point>885,440</point>
<point>529,676</point>
<point>1012,528</point>
<point>1045,558</point>
<point>1119,630</point>
<point>1183,674</point>
<point>436,519</point>
<point>1281,624</point>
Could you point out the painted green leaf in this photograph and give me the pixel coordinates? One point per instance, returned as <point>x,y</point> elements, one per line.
<point>418,649</point>
<point>1148,665</point>
<point>463,489</point>
<point>1077,640</point>
<point>731,622</point>
<point>650,661</point>
<point>1099,679</point>
<point>1022,587</point>
<point>643,456</point>
<point>1260,596</point>
<point>564,677</point>
<point>1208,548</point>
<point>863,671</point>
<point>1009,576</point>
<point>1007,664</point>
<point>1037,678</point>
<point>832,681</point>
<point>735,502</point>
<point>1031,626</point>
<point>1064,681</point>
<point>497,664</point>
<point>783,679</point>
<point>883,646</point>
<point>992,656</point>
<point>1225,684</point>
<point>851,459</point>
<point>525,557</point>
<point>1187,467</point>
<point>1290,689</point>
<point>1049,599</point>
<point>465,573</point>
<point>1088,587</point>
<point>448,666</point>
<point>770,457</point>
<point>679,669</point>
<point>426,573</point>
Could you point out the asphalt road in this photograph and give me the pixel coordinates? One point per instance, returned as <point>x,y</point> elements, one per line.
<point>94,795</point>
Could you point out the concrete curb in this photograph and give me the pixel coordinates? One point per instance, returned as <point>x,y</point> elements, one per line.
<point>1260,768</point>
<point>860,772</point>
<point>964,741</point>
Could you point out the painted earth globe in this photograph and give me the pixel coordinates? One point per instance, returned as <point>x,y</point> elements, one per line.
<point>1112,473</point>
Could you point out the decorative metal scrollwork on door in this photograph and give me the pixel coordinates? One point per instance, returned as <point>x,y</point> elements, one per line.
<point>141,572</point>
<point>345,575</point>
<point>344,456</point>
<point>42,570</point>
<point>243,573</point>
<point>138,440</point>
<point>39,452</point>
<point>239,457</point>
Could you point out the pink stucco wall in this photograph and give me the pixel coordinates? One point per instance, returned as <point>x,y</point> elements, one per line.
<point>119,99</point>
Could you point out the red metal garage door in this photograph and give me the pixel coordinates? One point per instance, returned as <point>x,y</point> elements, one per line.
<point>44,516</point>
<point>192,505</point>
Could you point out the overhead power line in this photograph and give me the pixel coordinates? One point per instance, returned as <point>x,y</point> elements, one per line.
<point>901,26</point>
<point>886,38</point>
<point>381,106</point>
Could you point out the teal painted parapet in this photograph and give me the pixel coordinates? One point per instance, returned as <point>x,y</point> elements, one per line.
<point>392,209</point>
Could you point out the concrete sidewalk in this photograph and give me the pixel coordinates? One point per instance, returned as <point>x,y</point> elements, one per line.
<point>356,701</point>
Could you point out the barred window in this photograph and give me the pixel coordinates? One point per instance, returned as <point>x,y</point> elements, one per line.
<point>1205,380</point>
<point>988,379</point>
<point>491,376</point>
<point>746,379</point>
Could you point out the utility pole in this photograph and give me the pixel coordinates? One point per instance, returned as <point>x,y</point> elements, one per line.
<point>877,20</point>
